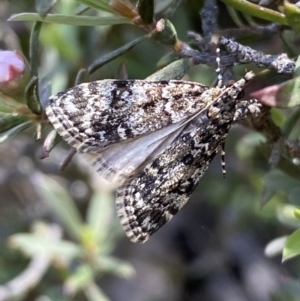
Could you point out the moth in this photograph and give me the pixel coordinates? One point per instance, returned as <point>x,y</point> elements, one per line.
<point>153,139</point>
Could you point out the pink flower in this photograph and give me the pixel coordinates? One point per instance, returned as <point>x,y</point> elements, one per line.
<point>12,66</point>
<point>14,74</point>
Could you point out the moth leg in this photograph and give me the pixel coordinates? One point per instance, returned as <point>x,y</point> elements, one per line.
<point>223,160</point>
<point>245,108</point>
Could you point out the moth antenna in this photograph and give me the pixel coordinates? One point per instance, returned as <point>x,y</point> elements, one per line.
<point>220,84</point>
<point>218,69</point>
<point>223,160</point>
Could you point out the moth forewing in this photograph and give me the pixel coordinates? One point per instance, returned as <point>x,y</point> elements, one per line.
<point>94,115</point>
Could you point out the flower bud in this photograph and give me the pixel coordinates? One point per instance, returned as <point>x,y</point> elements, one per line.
<point>14,74</point>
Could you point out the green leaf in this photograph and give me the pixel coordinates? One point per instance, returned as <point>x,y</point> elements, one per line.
<point>175,70</point>
<point>297,68</point>
<point>292,246</point>
<point>79,279</point>
<point>286,215</point>
<point>279,181</point>
<point>94,293</point>
<point>12,121</point>
<point>59,200</point>
<point>167,59</point>
<point>292,13</point>
<point>33,245</point>
<point>72,20</point>
<point>289,93</point>
<point>102,221</point>
<point>32,96</point>
<point>14,131</point>
<point>267,195</point>
<point>236,16</point>
<point>98,4</point>
<point>289,168</point>
<point>112,265</point>
<point>4,108</point>
<point>290,123</point>
<point>286,95</point>
<point>100,214</point>
<point>257,11</point>
<point>114,54</point>
<point>297,213</point>
<point>7,104</point>
<point>33,49</point>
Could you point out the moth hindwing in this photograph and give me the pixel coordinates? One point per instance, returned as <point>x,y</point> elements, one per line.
<point>153,139</point>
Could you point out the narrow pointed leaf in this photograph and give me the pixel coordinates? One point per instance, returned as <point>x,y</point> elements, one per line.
<point>292,13</point>
<point>59,200</point>
<point>94,293</point>
<point>33,245</point>
<point>280,181</point>
<point>98,4</point>
<point>114,54</point>
<point>256,11</point>
<point>292,246</point>
<point>175,70</point>
<point>71,20</point>
<point>14,131</point>
<point>286,215</point>
<point>100,214</point>
<point>7,106</point>
<point>12,121</point>
<point>34,44</point>
<point>112,265</point>
<point>82,276</point>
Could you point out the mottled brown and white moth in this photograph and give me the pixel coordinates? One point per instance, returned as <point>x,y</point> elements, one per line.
<point>153,139</point>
